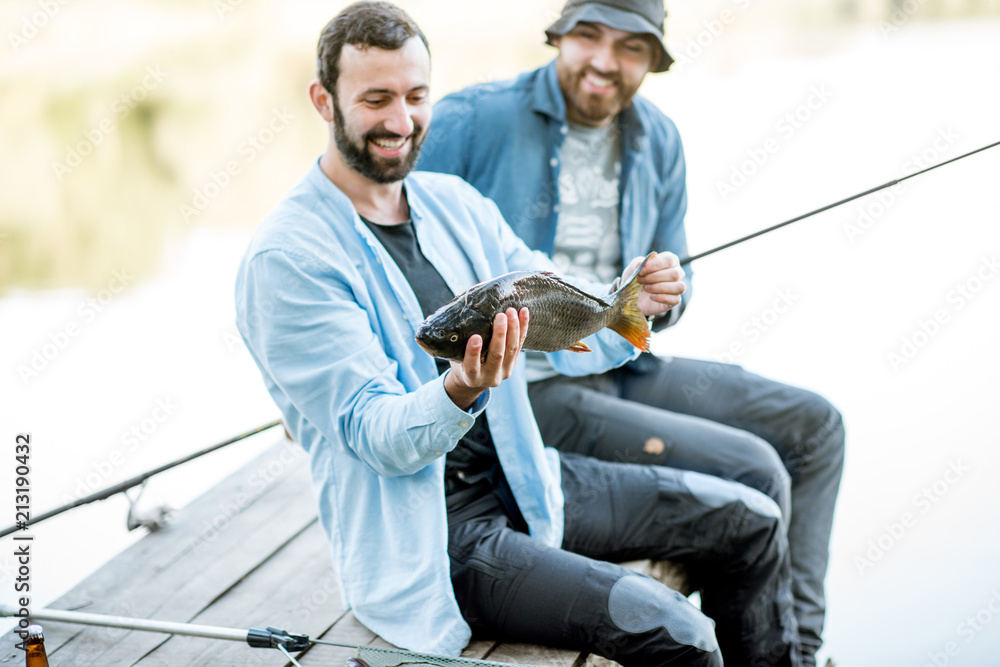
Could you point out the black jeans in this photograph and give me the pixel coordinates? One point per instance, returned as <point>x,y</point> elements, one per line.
<point>720,420</point>
<point>730,537</point>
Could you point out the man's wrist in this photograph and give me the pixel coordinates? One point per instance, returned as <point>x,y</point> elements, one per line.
<point>460,394</point>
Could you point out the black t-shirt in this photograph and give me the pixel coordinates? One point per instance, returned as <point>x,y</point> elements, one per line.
<point>472,468</point>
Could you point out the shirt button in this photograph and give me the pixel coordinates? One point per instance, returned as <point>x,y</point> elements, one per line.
<point>564,129</point>
<point>464,424</point>
<point>554,162</point>
<point>556,208</point>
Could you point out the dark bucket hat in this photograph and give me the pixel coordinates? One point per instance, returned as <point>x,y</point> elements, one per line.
<point>641,16</point>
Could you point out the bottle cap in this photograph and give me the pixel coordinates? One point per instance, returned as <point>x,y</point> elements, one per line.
<point>35,632</point>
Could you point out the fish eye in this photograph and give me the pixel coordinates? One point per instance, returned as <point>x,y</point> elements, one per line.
<point>453,337</point>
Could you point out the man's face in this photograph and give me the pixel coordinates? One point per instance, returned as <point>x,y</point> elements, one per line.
<point>600,69</point>
<point>382,110</point>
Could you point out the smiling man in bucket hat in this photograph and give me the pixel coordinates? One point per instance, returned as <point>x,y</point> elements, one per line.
<point>636,16</point>
<point>587,171</point>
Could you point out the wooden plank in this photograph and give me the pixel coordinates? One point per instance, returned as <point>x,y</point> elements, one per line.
<point>530,654</point>
<point>673,575</point>
<point>188,585</point>
<point>295,590</point>
<point>479,649</point>
<point>347,630</point>
<point>175,573</point>
<point>597,661</point>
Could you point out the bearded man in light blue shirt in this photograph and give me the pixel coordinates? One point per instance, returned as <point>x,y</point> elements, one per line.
<point>445,513</point>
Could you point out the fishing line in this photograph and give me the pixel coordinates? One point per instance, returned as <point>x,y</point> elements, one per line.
<point>690,259</point>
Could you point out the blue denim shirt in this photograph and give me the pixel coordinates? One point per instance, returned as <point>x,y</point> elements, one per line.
<point>330,321</point>
<point>506,138</point>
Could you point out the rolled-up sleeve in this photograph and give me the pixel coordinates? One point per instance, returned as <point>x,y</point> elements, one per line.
<point>307,331</point>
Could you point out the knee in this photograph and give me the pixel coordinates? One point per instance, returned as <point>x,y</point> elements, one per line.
<point>758,508</point>
<point>768,474</point>
<point>822,434</point>
<point>662,623</point>
<point>760,542</point>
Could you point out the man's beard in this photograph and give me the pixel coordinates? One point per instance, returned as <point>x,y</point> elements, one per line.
<point>360,157</point>
<point>589,107</point>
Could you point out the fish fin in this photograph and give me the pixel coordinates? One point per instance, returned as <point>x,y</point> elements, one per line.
<point>578,346</point>
<point>631,323</point>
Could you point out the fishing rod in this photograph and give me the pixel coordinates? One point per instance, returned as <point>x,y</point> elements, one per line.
<point>135,481</point>
<point>255,637</point>
<point>688,260</point>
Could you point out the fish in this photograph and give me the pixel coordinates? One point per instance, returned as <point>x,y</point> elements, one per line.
<point>562,315</point>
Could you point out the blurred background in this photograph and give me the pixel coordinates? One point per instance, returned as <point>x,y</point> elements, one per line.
<point>146,140</point>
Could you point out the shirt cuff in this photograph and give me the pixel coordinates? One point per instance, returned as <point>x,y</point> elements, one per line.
<point>477,406</point>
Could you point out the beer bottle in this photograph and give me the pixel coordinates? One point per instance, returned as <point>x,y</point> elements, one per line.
<point>35,643</point>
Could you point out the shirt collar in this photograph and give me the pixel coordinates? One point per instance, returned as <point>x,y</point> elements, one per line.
<point>548,97</point>
<point>327,187</point>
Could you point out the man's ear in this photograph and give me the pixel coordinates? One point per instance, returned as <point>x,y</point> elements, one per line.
<point>322,100</point>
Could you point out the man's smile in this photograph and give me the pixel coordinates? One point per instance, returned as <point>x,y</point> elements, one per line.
<point>599,84</point>
<point>389,146</point>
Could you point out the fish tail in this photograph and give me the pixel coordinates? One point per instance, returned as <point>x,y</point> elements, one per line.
<point>629,322</point>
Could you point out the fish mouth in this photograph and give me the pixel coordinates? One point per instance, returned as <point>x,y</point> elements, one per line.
<point>423,346</point>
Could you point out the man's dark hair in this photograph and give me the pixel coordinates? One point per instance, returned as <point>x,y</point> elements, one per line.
<point>363,24</point>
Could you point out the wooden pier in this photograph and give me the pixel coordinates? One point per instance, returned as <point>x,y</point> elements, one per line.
<point>249,552</point>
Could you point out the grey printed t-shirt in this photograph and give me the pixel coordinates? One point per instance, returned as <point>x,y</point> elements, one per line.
<point>588,243</point>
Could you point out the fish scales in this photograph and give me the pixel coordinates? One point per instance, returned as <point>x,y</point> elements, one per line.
<point>561,314</point>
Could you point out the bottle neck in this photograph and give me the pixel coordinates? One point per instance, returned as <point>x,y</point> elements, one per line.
<point>35,654</point>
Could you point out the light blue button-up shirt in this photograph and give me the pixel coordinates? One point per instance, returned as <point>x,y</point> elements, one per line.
<point>330,320</point>
<point>506,139</point>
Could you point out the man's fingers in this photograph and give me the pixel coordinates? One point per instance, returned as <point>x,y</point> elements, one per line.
<point>658,262</point>
<point>473,354</point>
<point>669,287</point>
<point>498,344</point>
<point>509,331</point>
<point>662,274</point>
<point>512,341</point>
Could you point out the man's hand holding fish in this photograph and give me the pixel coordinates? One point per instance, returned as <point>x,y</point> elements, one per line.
<point>469,379</point>
<point>662,280</point>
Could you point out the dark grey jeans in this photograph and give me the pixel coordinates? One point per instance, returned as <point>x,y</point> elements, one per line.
<point>720,420</point>
<point>730,537</point>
